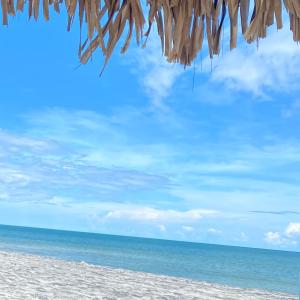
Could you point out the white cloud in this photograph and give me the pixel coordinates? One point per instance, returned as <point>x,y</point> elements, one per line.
<point>293,230</point>
<point>146,214</point>
<point>188,228</point>
<point>277,239</point>
<point>274,65</point>
<point>162,228</point>
<point>273,238</point>
<point>214,231</point>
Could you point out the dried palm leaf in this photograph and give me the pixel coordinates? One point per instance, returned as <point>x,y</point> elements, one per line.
<point>181,24</point>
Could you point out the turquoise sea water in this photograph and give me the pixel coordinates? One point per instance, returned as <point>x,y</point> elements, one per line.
<point>235,266</point>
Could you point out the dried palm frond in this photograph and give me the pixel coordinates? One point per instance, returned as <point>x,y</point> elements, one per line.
<point>181,24</point>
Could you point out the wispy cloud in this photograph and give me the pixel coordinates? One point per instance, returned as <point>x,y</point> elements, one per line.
<point>14,141</point>
<point>113,173</point>
<point>283,212</point>
<point>155,74</point>
<point>116,150</point>
<point>34,170</point>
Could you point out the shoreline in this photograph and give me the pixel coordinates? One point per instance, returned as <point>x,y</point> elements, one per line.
<point>26,276</point>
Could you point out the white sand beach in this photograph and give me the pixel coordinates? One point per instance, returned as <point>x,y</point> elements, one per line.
<point>25,276</point>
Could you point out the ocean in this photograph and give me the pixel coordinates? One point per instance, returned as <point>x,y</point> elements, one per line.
<point>234,266</point>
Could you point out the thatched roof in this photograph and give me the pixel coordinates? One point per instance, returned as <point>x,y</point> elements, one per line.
<point>181,24</point>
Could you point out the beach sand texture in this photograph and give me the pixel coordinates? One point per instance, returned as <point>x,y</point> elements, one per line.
<point>25,277</point>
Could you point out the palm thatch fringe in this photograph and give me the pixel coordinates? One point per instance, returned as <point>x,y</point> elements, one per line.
<point>181,24</point>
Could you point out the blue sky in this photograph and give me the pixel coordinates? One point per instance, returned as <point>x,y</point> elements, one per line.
<point>141,152</point>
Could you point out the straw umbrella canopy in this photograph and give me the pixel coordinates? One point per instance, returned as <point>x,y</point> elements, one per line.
<point>181,25</point>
